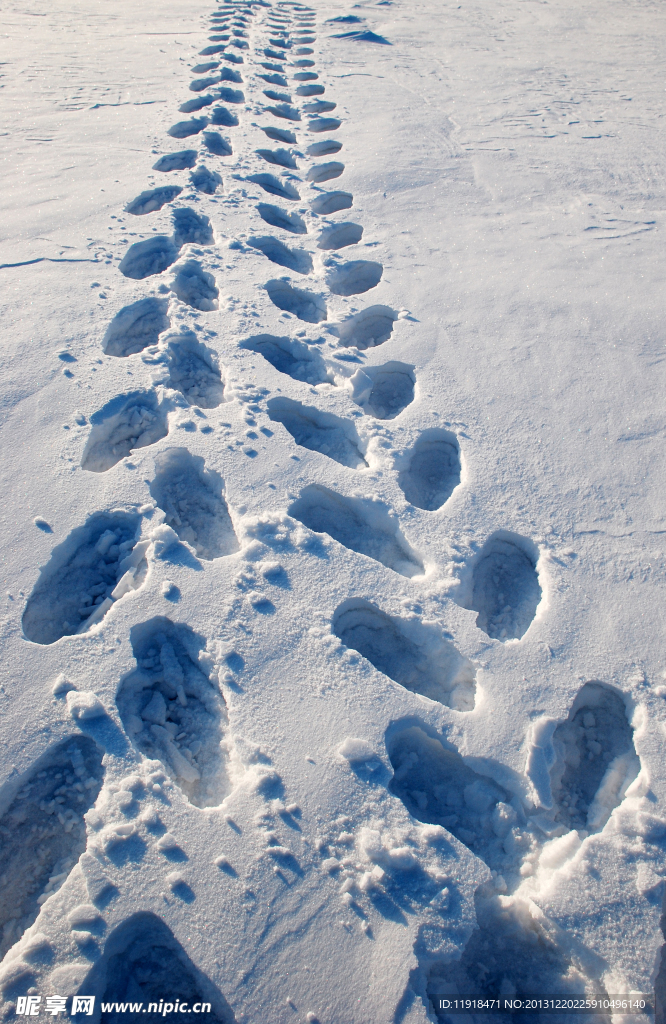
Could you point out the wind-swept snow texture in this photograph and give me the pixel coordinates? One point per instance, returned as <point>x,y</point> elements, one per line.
<point>332,507</point>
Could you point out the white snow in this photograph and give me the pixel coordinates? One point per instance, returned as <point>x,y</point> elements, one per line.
<point>332,501</point>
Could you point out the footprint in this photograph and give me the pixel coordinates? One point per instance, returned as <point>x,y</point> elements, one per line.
<point>305,76</point>
<point>280,135</point>
<point>281,97</point>
<point>192,499</point>
<point>278,218</point>
<point>136,327</point>
<point>360,525</point>
<point>438,788</point>
<point>195,286</point>
<point>306,306</point>
<point>42,832</point>
<point>310,90</point>
<point>193,371</point>
<point>123,424</point>
<point>285,111</point>
<point>273,55</point>
<point>208,51</point>
<point>408,652</point>
<point>331,202</point>
<point>324,172</point>
<point>505,583</point>
<point>384,391</point>
<point>183,129</point>
<point>189,106</point>
<point>204,180</point>
<point>142,961</point>
<point>354,278</point>
<point>302,64</point>
<point>153,199</point>
<point>275,79</point>
<point>290,356</point>
<point>229,75</point>
<point>222,117</point>
<point>319,431</point>
<point>595,759</point>
<point>279,157</point>
<point>297,260</point>
<point>275,186</point>
<point>76,587</point>
<point>324,124</point>
<point>191,228</point>
<point>279,68</point>
<point>216,145</point>
<point>433,470</point>
<point>149,257</point>
<point>516,949</point>
<point>173,711</point>
<point>199,84</point>
<point>231,95</point>
<point>233,58</point>
<point>369,328</point>
<point>340,235</point>
<point>319,107</point>
<point>176,161</point>
<point>201,69</point>
<point>324,148</point>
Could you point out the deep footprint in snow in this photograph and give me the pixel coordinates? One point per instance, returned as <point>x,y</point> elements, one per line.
<point>306,306</point>
<point>96,565</point>
<point>595,759</point>
<point>362,526</point>
<point>173,711</point>
<point>433,471</point>
<point>331,202</point>
<point>136,327</point>
<point>190,106</point>
<point>280,97</point>
<point>297,260</point>
<point>153,199</point>
<point>142,960</point>
<point>193,370</point>
<point>437,787</point>
<point>324,172</point>
<point>274,79</point>
<point>340,235</point>
<point>284,110</point>
<point>353,278</point>
<point>280,135</point>
<point>312,90</point>
<point>231,95</point>
<point>306,76</point>
<point>279,157</point>
<point>518,951</point>
<point>192,498</point>
<point>319,106</point>
<point>191,228</point>
<point>278,218</point>
<point>325,148</point>
<point>184,129</point>
<point>148,258</point>
<point>369,328</point>
<point>384,391</point>
<point>319,431</point>
<point>324,124</point>
<point>123,424</point>
<point>290,356</point>
<point>176,161</point>
<point>223,118</point>
<point>275,186</point>
<point>42,832</point>
<point>195,286</point>
<point>216,145</point>
<point>205,181</point>
<point>411,654</point>
<point>505,582</point>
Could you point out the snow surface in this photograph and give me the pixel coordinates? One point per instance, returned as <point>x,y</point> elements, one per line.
<point>332,502</point>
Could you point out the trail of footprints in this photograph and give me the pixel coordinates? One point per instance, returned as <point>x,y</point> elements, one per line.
<point>170,707</point>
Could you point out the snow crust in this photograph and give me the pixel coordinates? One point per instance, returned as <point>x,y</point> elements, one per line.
<point>332,499</point>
